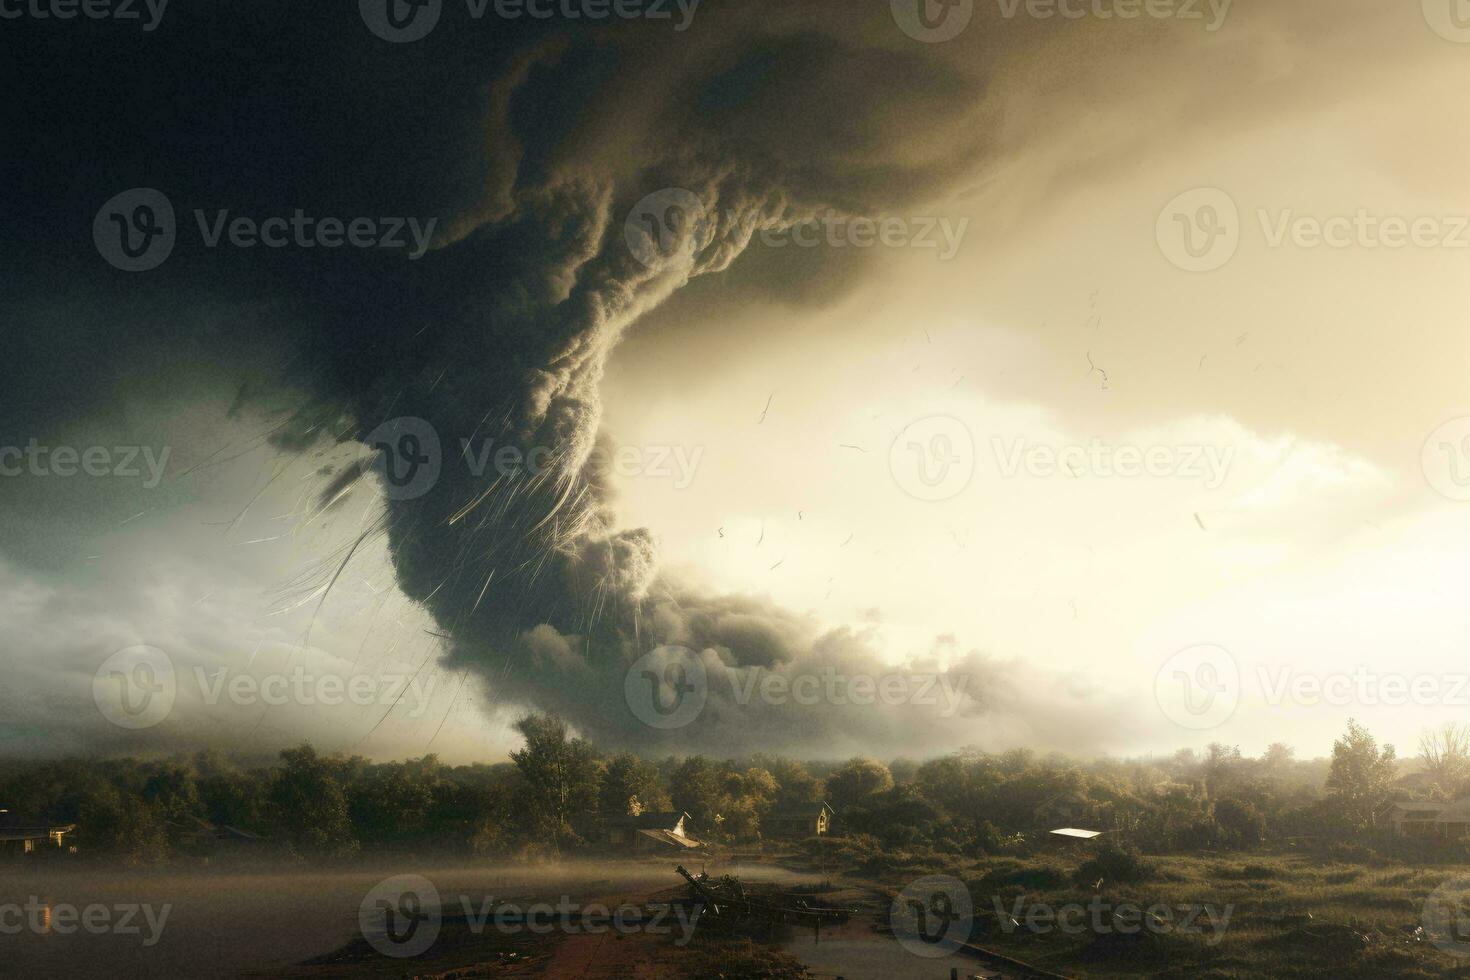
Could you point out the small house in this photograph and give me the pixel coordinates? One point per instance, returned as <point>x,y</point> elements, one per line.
<point>798,820</point>
<point>21,835</point>
<point>1425,820</point>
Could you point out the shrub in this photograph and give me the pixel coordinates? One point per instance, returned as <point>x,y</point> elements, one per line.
<point>1114,863</point>
<point>1030,875</point>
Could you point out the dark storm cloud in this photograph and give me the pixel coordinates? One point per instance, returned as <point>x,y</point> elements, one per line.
<point>529,145</point>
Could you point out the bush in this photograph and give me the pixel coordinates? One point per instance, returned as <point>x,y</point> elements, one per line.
<point>1248,872</point>
<point>1030,875</point>
<point>1114,863</point>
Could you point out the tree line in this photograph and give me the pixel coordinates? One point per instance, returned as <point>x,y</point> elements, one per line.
<point>969,803</point>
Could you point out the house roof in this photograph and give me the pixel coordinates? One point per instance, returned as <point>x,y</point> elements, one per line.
<point>666,820</point>
<point>16,826</point>
<point>668,837</point>
<point>1418,806</point>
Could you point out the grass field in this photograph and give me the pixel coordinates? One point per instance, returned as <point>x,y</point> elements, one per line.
<point>1275,915</point>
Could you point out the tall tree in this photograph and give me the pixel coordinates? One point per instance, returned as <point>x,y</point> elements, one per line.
<point>1361,776</point>
<point>561,772</point>
<point>627,779</point>
<point>697,789</point>
<point>308,799</point>
<point>1446,755</point>
<point>858,780</point>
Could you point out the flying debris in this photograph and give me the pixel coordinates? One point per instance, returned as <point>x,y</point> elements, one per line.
<point>1076,834</point>
<point>1200,521</point>
<point>767,409</point>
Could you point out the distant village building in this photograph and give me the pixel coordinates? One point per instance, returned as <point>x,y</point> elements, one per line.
<point>197,835</point>
<point>644,833</point>
<point>1431,821</point>
<point>20,836</point>
<point>798,820</point>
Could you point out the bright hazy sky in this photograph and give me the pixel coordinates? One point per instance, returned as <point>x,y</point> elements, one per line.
<point>1323,375</point>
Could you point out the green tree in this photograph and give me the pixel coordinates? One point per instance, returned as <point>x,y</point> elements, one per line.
<point>394,803</point>
<point>794,782</point>
<point>1240,822</point>
<point>856,781</point>
<point>561,774</point>
<point>1361,776</point>
<point>308,803</point>
<point>627,778</point>
<point>696,788</point>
